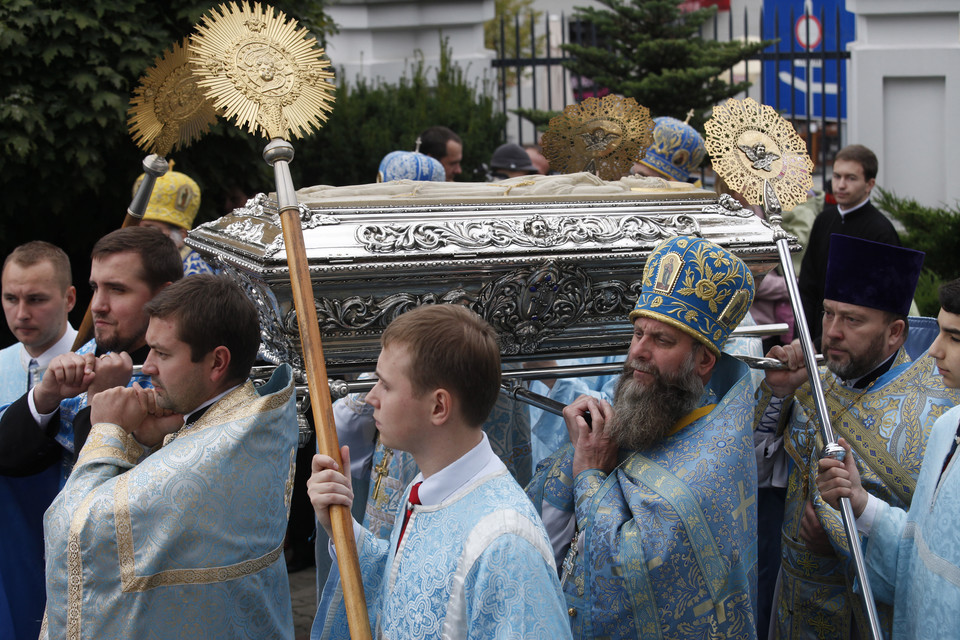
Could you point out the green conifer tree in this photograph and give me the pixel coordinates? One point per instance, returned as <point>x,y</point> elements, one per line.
<point>652,51</point>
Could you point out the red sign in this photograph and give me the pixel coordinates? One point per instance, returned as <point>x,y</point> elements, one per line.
<point>693,5</point>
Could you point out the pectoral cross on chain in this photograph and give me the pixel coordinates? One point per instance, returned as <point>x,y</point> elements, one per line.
<point>382,470</point>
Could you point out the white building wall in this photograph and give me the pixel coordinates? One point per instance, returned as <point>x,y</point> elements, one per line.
<point>905,94</point>
<point>380,39</point>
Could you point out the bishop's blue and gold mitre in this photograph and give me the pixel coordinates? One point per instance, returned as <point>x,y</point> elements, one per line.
<point>677,149</point>
<point>696,286</point>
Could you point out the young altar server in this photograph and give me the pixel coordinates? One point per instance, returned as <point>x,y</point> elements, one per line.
<point>468,556</point>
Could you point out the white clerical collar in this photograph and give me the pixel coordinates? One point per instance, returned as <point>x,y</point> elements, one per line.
<point>208,403</point>
<point>844,212</point>
<point>63,345</point>
<point>478,462</point>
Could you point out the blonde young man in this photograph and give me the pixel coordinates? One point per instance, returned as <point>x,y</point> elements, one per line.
<point>37,296</point>
<point>468,556</point>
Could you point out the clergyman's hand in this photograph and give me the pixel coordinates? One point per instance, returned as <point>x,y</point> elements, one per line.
<point>812,532</point>
<point>593,449</point>
<point>784,382</point>
<point>328,486</point>
<point>837,479</point>
<point>157,422</point>
<point>112,370</point>
<point>68,375</point>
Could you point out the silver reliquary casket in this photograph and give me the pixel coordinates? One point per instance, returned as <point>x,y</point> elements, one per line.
<point>554,263</point>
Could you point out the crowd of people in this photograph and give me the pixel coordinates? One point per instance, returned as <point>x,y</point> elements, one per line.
<point>683,498</point>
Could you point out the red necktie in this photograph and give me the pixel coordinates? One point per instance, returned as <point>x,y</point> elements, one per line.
<point>412,500</point>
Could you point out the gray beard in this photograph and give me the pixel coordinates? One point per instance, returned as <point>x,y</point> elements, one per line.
<point>644,414</point>
<point>861,365</point>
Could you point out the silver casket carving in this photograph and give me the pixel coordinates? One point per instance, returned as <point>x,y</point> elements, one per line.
<point>554,263</point>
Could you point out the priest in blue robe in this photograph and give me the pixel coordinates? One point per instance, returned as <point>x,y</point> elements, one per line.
<point>173,520</point>
<point>651,507</point>
<point>913,556</point>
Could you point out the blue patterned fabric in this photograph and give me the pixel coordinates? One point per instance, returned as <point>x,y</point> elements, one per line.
<point>667,541</point>
<point>186,542</point>
<point>410,165</point>
<point>913,558</point>
<point>887,425</point>
<point>22,503</point>
<point>490,574</point>
<point>193,264</point>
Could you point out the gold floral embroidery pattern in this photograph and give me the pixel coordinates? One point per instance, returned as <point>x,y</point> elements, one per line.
<point>101,443</point>
<point>75,570</point>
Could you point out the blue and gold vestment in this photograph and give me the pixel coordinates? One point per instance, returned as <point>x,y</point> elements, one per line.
<point>666,543</point>
<point>186,542</point>
<point>887,425</point>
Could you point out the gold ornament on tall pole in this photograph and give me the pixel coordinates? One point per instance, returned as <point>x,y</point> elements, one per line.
<point>168,111</point>
<point>269,76</point>
<point>759,154</point>
<point>604,136</point>
<point>750,144</point>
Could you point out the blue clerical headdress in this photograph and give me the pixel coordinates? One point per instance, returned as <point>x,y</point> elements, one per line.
<point>696,286</point>
<point>872,274</point>
<point>410,165</point>
<point>677,149</point>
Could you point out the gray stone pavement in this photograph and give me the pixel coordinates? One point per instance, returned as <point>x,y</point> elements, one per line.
<point>303,593</point>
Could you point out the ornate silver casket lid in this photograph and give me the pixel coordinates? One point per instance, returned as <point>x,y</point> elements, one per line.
<point>554,263</point>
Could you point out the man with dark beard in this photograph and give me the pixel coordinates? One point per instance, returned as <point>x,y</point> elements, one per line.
<point>129,266</point>
<point>651,507</point>
<point>883,395</point>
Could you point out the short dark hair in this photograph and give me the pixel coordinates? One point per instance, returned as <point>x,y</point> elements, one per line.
<point>433,141</point>
<point>160,261</point>
<point>37,251</point>
<point>862,156</point>
<point>950,296</point>
<point>212,311</point>
<point>452,348</point>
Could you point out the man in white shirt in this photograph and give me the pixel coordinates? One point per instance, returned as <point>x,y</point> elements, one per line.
<point>37,296</point>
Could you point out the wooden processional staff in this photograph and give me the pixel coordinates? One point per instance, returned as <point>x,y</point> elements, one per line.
<point>760,155</point>
<point>168,111</point>
<point>269,75</point>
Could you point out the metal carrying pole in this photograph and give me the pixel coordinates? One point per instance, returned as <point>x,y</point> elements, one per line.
<point>771,206</point>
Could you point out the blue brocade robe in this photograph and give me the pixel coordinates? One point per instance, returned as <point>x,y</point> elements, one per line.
<point>667,542</point>
<point>887,425</point>
<point>913,558</point>
<point>489,574</point>
<point>186,542</point>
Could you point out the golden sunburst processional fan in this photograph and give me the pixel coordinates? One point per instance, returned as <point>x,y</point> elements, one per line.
<point>270,76</point>
<point>603,136</point>
<point>759,154</point>
<point>168,110</point>
<point>750,144</point>
<point>263,71</point>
